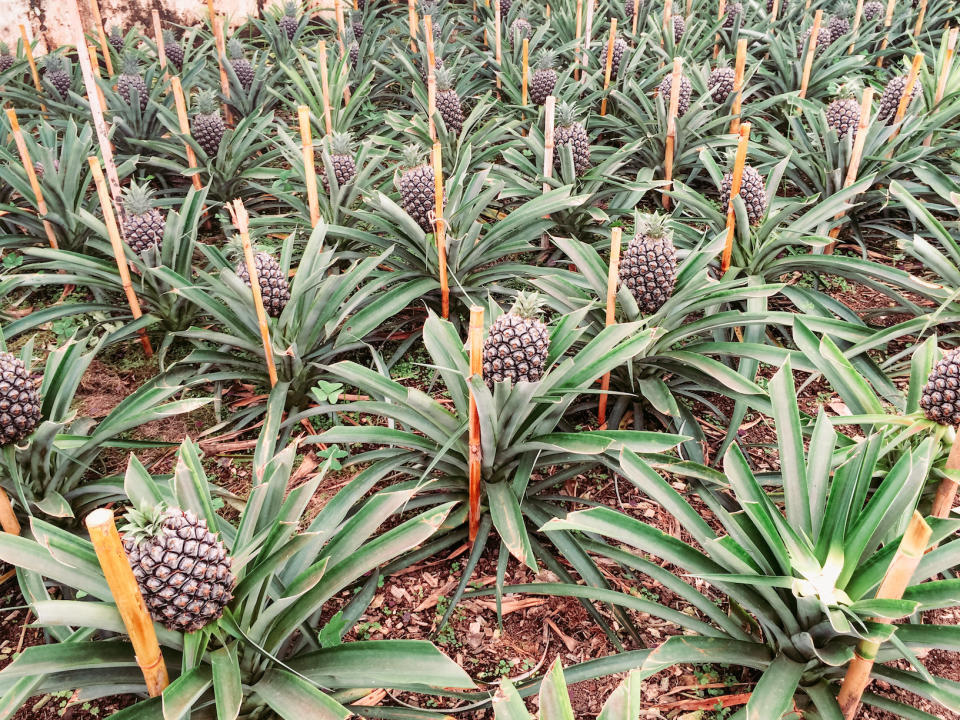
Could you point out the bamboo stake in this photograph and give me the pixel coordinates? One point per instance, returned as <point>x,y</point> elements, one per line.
<point>887,22</point>
<point>161,49</point>
<point>101,35</point>
<point>476,368</point>
<point>667,21</point>
<point>309,171</point>
<point>412,21</point>
<point>811,52</point>
<point>857,17</point>
<point>920,17</point>
<point>944,74</point>
<point>722,9</point>
<point>636,11</point>
<point>775,10</point>
<point>611,318</point>
<point>431,76</point>
<point>947,491</point>
<point>94,63</point>
<point>243,225</point>
<point>184,121</point>
<point>31,175</point>
<point>549,110</point>
<point>525,72</point>
<point>608,68</point>
<point>440,230</point>
<point>325,87</point>
<point>497,43</point>
<point>576,53</point>
<point>221,45</point>
<point>588,31</point>
<point>211,12</point>
<point>906,97</point>
<point>738,163</point>
<point>896,580</point>
<point>672,107</point>
<point>123,586</point>
<point>547,15</point>
<point>739,68</point>
<point>8,518</point>
<point>28,50</point>
<point>116,242</point>
<point>856,153</point>
<point>338,12</point>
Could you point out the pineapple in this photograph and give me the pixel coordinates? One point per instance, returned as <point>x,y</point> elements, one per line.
<point>873,10</point>
<point>571,133</point>
<point>824,38</point>
<point>686,90</point>
<point>619,48</point>
<point>353,52</point>
<point>628,8</point>
<point>843,114</point>
<point>356,25</point>
<point>679,28</point>
<point>544,78</point>
<point>505,6</point>
<point>19,401</point>
<point>143,225</point>
<point>751,190</point>
<point>130,80</point>
<point>520,29</point>
<point>56,73</point>
<point>734,11</point>
<point>940,398</point>
<point>207,125</point>
<point>288,22</point>
<point>6,59</point>
<point>890,100</point>
<point>649,265</point>
<point>448,102</point>
<point>116,40</point>
<point>182,568</point>
<point>240,64</point>
<point>839,24</point>
<point>417,190</point>
<point>341,156</point>
<point>437,65</point>
<point>515,350</point>
<point>172,49</point>
<point>720,83</point>
<point>39,170</point>
<point>274,288</point>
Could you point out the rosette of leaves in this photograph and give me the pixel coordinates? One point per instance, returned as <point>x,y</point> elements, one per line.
<point>265,89</point>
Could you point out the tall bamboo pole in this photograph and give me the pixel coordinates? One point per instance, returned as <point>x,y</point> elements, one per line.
<point>341,30</point>
<point>28,51</point>
<point>608,66</point>
<point>920,16</point>
<point>8,518</point>
<point>309,171</point>
<point>906,97</point>
<point>184,121</point>
<point>549,111</point>
<point>325,86</point>
<point>94,63</point>
<point>31,175</point>
<point>667,21</point>
<point>412,22</point>
<point>775,10</point>
<point>497,39</point>
<point>887,22</point>
<point>431,76</point>
<point>636,12</point>
<point>126,594</point>
<point>856,154</point>
<point>221,47</point>
<point>101,35</point>
<point>721,10</point>
<point>739,69</point>
<point>576,52</point>
<point>811,52</point>
<point>673,105</point>
<point>738,163</point>
<point>440,230</point>
<point>611,317</point>
<point>161,49</point>
<point>947,491</point>
<point>944,74</point>
<point>525,73</point>
<point>476,368</point>
<point>857,18</point>
<point>587,35</point>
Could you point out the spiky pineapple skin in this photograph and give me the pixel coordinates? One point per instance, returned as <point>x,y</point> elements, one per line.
<point>733,11</point>
<point>357,27</point>
<point>720,84</point>
<point>843,115</point>
<point>274,288</point>
<point>619,48</point>
<point>354,53</point>
<point>574,136</point>
<point>505,6</point>
<point>116,42</point>
<point>208,130</point>
<point>686,91</point>
<point>838,27</point>
<point>519,30</point>
<point>679,27</point>
<point>174,53</point>
<point>418,195</point>
<point>289,26</point>
<point>6,62</point>
<point>824,38</point>
<point>448,105</point>
<point>940,397</point>
<point>873,10</point>
<point>344,170</point>
<point>145,230</point>
<point>126,84</point>
<point>542,85</point>
<point>244,72</point>
<point>890,100</point>
<point>19,400</point>
<point>183,572</point>
<point>751,190</point>
<point>515,350</point>
<point>61,82</point>
<point>648,270</point>
<point>628,8</point>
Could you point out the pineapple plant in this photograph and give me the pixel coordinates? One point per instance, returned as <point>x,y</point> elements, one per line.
<point>516,347</point>
<point>648,268</point>
<point>6,59</point>
<point>172,49</point>
<point>19,400</point>
<point>130,80</point>
<point>207,126</point>
<point>572,134</point>
<point>274,288</point>
<point>940,397</point>
<point>734,11</point>
<point>843,113</point>
<point>448,102</point>
<point>116,39</point>
<point>289,22</point>
<point>824,38</point>
<point>619,48</point>
<point>720,83</point>
<point>417,190</point>
<point>544,78</point>
<point>890,99</point>
<point>751,191</point>
<point>873,10</point>
<point>241,66</point>
<point>520,29</point>
<point>143,225</point>
<point>181,566</point>
<point>839,23</point>
<point>679,27</point>
<point>341,157</point>
<point>686,91</point>
<point>57,74</point>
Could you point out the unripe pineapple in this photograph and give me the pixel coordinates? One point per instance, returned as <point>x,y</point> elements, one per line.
<point>240,64</point>
<point>686,91</point>
<point>544,78</point>
<point>628,8</point>
<point>57,74</point>
<point>679,27</point>
<point>720,83</point>
<point>571,133</point>
<point>354,53</point>
<point>843,114</point>
<point>520,29</point>
<point>172,49</point>
<point>890,100</point>
<point>417,190</point>
<point>116,40</point>
<point>19,401</point>
<point>181,567</point>
<point>143,225</point>
<point>274,288</point>
<point>357,26</point>
<point>6,59</point>
<point>734,11</point>
<point>516,347</point>
<point>207,125</point>
<point>505,6</point>
<point>341,157</point>
<point>752,192</point>
<point>130,80</point>
<point>648,268</point>
<point>619,48</point>
<point>289,22</point>
<point>824,38</point>
<point>873,10</point>
<point>448,102</point>
<point>839,24</point>
<point>940,397</point>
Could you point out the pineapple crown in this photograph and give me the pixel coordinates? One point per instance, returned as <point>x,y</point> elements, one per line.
<point>130,64</point>
<point>444,79</point>
<point>653,225</point>
<point>566,114</point>
<point>137,199</point>
<point>4,49</point>
<point>144,522</point>
<point>843,9</point>
<point>546,60</point>
<point>205,103</point>
<point>340,144</point>
<point>168,37</point>
<point>235,48</point>
<point>54,63</point>
<point>527,305</point>
<point>115,31</point>
<point>412,156</point>
<point>290,8</point>
<point>846,89</point>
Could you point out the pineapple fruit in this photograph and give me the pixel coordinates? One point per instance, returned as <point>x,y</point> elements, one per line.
<point>686,91</point>
<point>417,190</point>
<point>241,66</point>
<point>679,27</point>
<point>734,11</point>
<point>57,74</point>
<point>289,22</point>
<point>19,400</point>
<point>516,347</point>
<point>143,225</point>
<point>843,114</point>
<point>648,268</point>
<point>940,397</point>
<point>720,83</point>
<point>274,288</point>
<point>752,192</point>
<point>619,48</point>
<point>130,80</point>
<point>890,100</point>
<point>571,133</point>
<point>873,10</point>
<point>448,102</point>
<point>824,38</point>
<point>6,59</point>
<point>172,49</point>
<point>520,29</point>
<point>341,157</point>
<point>544,78</point>
<point>116,39</point>
<point>207,125</point>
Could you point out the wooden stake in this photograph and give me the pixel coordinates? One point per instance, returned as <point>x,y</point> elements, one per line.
<point>184,121</point>
<point>497,44</point>
<point>101,35</point>
<point>221,45</point>
<point>549,110</point>
<point>887,22</point>
<point>866,105</point>
<point>920,17</point>
<point>161,50</point>
<point>896,580</point>
<point>28,50</point>
<point>31,175</point>
<point>857,17</point>
<point>944,74</point>
<point>476,368</point>
<point>738,163</point>
<point>94,63</point>
<point>775,10</point>
<point>721,11</point>
<point>608,68</point>
<point>906,97</point>
<point>547,15</point>
<point>211,12</point>
<point>576,52</point>
<point>947,491</point>
<point>587,33</point>
<point>8,518</point>
<point>672,106</point>
<point>242,221</point>
<point>811,52</point>
<point>431,76</point>
<point>338,13</point>
<point>325,87</point>
<point>440,230</point>
<point>667,21</point>
<point>611,319</point>
<point>412,21</point>
<point>119,255</point>
<point>636,11</point>
<point>525,72</point>
<point>739,68</point>
<point>309,171</point>
<point>126,594</point>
